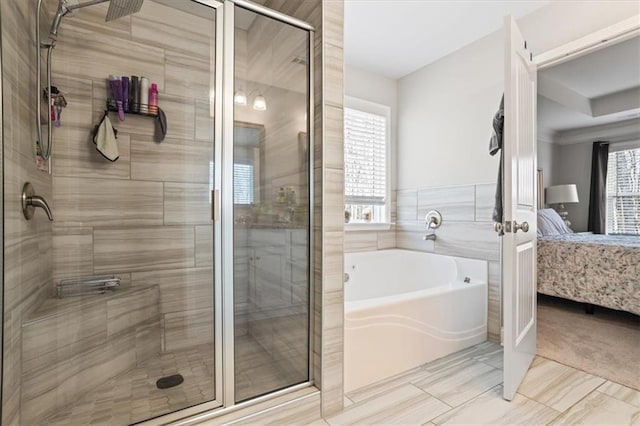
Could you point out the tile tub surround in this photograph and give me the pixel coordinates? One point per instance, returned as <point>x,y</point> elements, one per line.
<point>466,231</point>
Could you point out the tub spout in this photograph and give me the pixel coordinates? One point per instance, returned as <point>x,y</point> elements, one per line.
<point>429,237</point>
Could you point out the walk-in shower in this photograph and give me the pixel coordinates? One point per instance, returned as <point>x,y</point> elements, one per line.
<point>177,278</point>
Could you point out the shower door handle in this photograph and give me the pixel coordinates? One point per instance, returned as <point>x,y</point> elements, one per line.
<point>215,205</point>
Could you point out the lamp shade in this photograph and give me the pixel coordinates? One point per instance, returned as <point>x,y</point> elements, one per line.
<point>561,194</point>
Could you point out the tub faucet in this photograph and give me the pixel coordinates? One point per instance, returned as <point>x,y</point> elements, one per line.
<point>430,237</point>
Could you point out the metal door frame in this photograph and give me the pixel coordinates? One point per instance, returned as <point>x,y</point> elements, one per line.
<point>223,226</point>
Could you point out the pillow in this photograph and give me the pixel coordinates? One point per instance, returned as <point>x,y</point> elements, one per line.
<point>550,223</point>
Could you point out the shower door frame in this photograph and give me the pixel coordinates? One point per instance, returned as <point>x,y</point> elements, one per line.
<point>227,253</point>
<point>223,218</point>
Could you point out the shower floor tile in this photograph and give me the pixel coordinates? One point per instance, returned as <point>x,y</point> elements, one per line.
<point>133,396</point>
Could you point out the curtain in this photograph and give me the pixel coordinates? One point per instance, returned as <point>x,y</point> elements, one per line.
<point>598,192</point>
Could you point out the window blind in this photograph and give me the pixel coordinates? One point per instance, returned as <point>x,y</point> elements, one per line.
<point>365,158</point>
<point>242,183</point>
<point>623,192</point>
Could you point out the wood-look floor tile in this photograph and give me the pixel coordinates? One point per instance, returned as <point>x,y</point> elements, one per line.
<point>600,409</point>
<point>556,385</point>
<point>494,359</point>
<point>623,393</point>
<point>455,358</point>
<point>491,409</point>
<point>403,405</point>
<point>461,382</point>
<point>384,386</point>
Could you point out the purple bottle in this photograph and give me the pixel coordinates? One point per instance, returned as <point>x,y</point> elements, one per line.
<point>125,93</point>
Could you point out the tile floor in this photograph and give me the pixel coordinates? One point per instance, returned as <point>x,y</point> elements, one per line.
<point>133,396</point>
<point>466,388</point>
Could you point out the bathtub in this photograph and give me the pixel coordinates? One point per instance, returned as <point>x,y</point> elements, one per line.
<point>406,308</point>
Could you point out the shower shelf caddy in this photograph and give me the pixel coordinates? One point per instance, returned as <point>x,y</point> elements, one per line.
<point>112,107</point>
<point>87,285</point>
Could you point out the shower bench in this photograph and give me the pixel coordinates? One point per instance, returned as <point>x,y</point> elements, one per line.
<point>72,345</point>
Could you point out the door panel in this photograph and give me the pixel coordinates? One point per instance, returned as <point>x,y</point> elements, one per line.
<point>519,240</point>
<point>271,202</point>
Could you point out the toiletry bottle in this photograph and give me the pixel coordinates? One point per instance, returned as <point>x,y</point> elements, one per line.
<point>134,94</point>
<point>153,99</point>
<point>144,95</point>
<point>125,92</point>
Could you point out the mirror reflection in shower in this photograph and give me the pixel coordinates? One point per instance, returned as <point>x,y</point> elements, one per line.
<point>271,205</point>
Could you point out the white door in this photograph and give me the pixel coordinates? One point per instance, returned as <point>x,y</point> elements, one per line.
<point>519,240</point>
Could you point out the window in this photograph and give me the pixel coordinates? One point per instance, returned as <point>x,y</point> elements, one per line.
<point>366,162</point>
<point>623,192</point>
<point>243,183</point>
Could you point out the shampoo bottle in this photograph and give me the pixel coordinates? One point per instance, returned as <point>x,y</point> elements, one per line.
<point>153,99</point>
<point>144,95</point>
<point>134,94</point>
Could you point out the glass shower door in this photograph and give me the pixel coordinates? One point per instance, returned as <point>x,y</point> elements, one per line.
<point>271,199</point>
<point>112,306</point>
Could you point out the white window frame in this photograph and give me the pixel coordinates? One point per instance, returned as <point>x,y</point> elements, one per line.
<point>615,147</point>
<point>385,111</point>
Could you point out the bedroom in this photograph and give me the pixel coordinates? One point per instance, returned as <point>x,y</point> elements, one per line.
<point>587,283</point>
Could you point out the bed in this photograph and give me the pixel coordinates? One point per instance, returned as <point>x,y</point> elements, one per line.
<point>597,269</point>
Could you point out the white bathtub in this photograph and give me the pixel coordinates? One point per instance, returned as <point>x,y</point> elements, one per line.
<point>406,308</point>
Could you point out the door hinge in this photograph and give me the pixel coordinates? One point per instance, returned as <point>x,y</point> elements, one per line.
<point>215,205</point>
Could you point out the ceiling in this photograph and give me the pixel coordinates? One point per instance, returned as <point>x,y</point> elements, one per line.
<point>396,37</point>
<point>597,89</point>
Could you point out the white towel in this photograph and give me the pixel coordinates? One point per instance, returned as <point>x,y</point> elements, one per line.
<point>105,139</point>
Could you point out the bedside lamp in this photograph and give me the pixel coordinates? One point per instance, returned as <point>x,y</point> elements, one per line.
<point>560,195</point>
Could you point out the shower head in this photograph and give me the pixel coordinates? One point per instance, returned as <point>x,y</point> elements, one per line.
<point>117,9</point>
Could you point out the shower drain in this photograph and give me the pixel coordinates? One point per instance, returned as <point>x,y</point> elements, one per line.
<point>169,381</point>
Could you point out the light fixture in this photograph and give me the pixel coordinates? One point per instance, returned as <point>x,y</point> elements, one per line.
<point>260,103</point>
<point>561,194</point>
<point>240,98</point>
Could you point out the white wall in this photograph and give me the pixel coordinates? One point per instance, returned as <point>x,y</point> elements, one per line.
<point>379,89</point>
<point>445,109</point>
<point>548,157</point>
<point>574,166</point>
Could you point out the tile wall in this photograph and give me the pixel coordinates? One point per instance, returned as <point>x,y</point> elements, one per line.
<point>27,244</point>
<point>466,231</point>
<point>171,243</point>
<point>370,240</point>
<point>146,216</point>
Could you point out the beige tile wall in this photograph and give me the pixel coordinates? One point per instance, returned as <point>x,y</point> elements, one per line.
<point>27,244</point>
<point>466,231</point>
<point>147,215</point>
<point>81,78</point>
